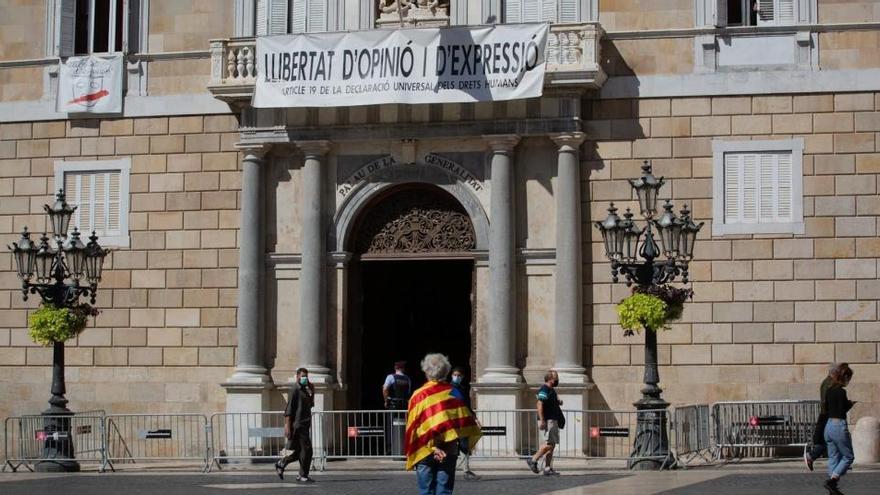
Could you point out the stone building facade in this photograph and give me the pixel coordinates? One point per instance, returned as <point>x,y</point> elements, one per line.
<point>261,240</point>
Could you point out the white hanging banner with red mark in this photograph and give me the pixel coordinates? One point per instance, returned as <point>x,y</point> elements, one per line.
<point>90,84</point>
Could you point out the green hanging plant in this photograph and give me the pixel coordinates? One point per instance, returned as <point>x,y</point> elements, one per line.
<point>50,324</point>
<point>652,307</point>
<point>641,311</point>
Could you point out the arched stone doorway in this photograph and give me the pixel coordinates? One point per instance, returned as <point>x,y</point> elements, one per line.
<point>410,287</point>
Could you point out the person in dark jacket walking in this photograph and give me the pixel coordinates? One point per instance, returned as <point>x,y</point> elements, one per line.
<point>297,428</point>
<point>837,437</point>
<point>818,448</point>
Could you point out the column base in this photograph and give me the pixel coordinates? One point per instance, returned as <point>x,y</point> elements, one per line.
<point>496,407</point>
<point>247,395</point>
<point>573,391</point>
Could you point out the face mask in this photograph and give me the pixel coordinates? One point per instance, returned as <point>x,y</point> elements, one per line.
<point>555,383</point>
<point>303,380</point>
<point>456,380</point>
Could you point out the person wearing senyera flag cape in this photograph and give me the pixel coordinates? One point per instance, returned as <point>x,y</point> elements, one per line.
<point>436,421</point>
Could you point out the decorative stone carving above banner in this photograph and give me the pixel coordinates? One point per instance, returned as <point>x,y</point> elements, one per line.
<point>418,220</point>
<point>411,13</point>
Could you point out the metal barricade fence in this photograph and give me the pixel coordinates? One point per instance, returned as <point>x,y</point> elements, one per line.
<point>587,434</point>
<point>28,436</point>
<point>358,434</point>
<point>251,436</point>
<point>762,424</point>
<point>157,437</point>
<point>691,434</point>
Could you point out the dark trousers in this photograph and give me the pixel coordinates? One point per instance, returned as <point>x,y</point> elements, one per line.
<point>818,448</point>
<point>301,445</point>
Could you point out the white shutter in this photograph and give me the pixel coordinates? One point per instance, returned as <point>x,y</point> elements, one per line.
<point>317,16</point>
<point>531,10</point>
<point>66,37</point>
<point>749,181</point>
<point>721,12</point>
<point>548,11</point>
<point>785,12</point>
<point>766,15</point>
<point>513,11</point>
<point>113,203</point>
<point>784,187</point>
<point>71,191</point>
<point>99,200</point>
<point>261,18</point>
<point>767,195</point>
<point>732,188</point>
<point>277,11</point>
<point>568,11</point>
<point>298,16</point>
<point>758,187</point>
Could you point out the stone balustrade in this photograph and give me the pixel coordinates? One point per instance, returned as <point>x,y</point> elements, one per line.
<point>573,52</point>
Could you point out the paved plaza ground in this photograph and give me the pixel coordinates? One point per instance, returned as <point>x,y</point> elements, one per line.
<point>786,478</point>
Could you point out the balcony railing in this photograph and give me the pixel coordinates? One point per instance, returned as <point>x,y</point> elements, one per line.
<point>572,61</point>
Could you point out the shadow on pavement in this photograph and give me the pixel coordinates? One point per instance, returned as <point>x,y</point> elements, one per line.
<point>779,484</point>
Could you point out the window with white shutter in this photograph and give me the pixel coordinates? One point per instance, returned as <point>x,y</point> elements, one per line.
<point>82,27</point>
<point>753,12</point>
<point>542,11</point>
<point>100,191</point>
<point>308,16</point>
<point>758,187</point>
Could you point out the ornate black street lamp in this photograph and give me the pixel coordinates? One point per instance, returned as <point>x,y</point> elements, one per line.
<point>60,275</point>
<point>624,244</point>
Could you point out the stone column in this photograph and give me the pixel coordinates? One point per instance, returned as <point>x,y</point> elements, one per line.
<point>502,263</point>
<point>247,388</point>
<point>312,347</point>
<point>500,386</point>
<point>568,361</point>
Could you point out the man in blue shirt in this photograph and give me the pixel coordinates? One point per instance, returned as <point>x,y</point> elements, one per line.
<point>550,421</point>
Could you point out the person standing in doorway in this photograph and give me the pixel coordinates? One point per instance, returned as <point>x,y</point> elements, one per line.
<point>818,448</point>
<point>550,421</point>
<point>461,390</point>
<point>396,392</point>
<point>297,428</point>
<point>837,437</point>
<point>397,388</point>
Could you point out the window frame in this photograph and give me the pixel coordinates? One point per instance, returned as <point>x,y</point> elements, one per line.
<point>123,165</point>
<point>795,146</point>
<point>134,36</point>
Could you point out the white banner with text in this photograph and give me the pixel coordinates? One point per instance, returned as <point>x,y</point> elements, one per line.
<point>430,65</point>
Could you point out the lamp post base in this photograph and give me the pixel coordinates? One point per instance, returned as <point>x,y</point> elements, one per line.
<point>651,446</point>
<point>57,435</point>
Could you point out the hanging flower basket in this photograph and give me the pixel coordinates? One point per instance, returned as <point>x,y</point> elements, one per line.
<point>50,324</point>
<point>652,308</point>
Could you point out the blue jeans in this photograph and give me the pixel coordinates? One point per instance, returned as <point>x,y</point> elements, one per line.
<point>436,478</point>
<point>840,450</point>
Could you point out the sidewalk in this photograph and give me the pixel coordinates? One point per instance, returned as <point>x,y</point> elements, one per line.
<point>362,477</point>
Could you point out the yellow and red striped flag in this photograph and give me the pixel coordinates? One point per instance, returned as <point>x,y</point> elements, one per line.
<point>437,416</point>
